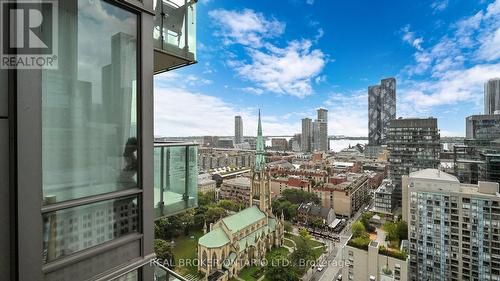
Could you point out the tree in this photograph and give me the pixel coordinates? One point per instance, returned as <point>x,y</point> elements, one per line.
<point>297,196</point>
<point>281,270</point>
<point>186,220</point>
<point>207,198</point>
<point>365,220</point>
<point>303,254</point>
<point>392,231</point>
<point>317,223</point>
<point>288,227</point>
<point>305,234</point>
<point>228,205</point>
<point>213,214</point>
<point>164,252</point>
<point>358,229</point>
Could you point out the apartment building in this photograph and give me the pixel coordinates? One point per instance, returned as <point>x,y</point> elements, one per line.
<point>81,181</point>
<point>413,145</point>
<point>372,264</point>
<point>453,228</point>
<point>236,190</point>
<point>346,197</point>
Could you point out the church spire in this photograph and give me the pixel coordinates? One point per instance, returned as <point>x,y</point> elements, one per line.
<point>259,153</point>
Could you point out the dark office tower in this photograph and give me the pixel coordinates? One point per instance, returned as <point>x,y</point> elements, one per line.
<point>381,110</point>
<point>413,145</point>
<point>81,180</point>
<point>307,135</point>
<point>238,130</point>
<point>492,96</point>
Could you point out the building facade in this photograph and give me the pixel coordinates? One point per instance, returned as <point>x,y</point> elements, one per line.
<point>280,144</point>
<point>381,110</point>
<point>320,128</point>
<point>453,228</point>
<point>492,96</point>
<point>77,164</point>
<point>306,138</point>
<point>413,145</point>
<point>236,190</point>
<point>238,130</point>
<point>370,264</point>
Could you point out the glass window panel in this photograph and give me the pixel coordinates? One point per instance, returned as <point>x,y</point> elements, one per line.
<point>71,230</point>
<point>89,118</point>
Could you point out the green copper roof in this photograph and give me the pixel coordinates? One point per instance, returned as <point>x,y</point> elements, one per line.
<point>213,239</point>
<point>243,218</point>
<point>260,160</point>
<point>249,240</point>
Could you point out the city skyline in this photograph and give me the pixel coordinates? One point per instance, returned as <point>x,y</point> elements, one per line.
<point>440,63</point>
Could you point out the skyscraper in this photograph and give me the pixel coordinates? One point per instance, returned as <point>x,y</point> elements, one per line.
<point>413,144</point>
<point>238,130</point>
<point>381,110</point>
<point>453,228</point>
<point>492,96</point>
<point>307,135</point>
<point>320,129</point>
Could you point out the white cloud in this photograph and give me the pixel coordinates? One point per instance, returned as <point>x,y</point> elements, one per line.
<point>284,71</point>
<point>319,35</point>
<point>348,113</point>
<point>410,38</point>
<point>252,90</point>
<point>310,2</point>
<point>459,63</point>
<point>245,27</point>
<point>439,5</point>
<point>454,86</point>
<point>179,112</point>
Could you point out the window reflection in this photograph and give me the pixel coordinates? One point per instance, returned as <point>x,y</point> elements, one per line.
<point>71,230</point>
<point>89,118</point>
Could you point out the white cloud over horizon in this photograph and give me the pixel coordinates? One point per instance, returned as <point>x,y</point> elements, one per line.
<point>458,63</point>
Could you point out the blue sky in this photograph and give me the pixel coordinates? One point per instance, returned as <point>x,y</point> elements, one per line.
<point>290,57</point>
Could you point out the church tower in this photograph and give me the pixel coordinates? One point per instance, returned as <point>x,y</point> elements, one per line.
<point>260,194</point>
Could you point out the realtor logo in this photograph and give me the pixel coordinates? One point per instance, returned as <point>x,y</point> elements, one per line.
<point>28,34</point>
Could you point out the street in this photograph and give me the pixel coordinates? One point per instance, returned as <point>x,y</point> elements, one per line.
<point>333,260</point>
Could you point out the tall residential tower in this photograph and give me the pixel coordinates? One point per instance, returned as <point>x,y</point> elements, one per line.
<point>381,110</point>
<point>307,135</point>
<point>492,96</point>
<point>238,130</point>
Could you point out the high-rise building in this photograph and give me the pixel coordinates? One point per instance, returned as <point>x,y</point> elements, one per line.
<point>279,144</point>
<point>479,158</point>
<point>480,130</point>
<point>453,228</point>
<point>492,96</point>
<point>413,144</point>
<point>81,179</point>
<point>307,135</point>
<point>381,110</point>
<point>322,115</point>
<point>320,131</point>
<point>238,130</point>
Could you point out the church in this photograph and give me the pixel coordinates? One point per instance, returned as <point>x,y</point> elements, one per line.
<point>243,238</point>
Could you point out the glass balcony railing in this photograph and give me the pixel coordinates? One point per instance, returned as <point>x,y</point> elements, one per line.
<point>175,177</point>
<point>174,34</point>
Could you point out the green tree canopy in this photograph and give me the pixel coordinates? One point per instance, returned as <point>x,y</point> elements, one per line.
<point>163,251</point>
<point>281,270</point>
<point>358,229</point>
<point>297,196</point>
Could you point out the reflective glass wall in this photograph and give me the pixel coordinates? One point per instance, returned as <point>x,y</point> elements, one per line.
<point>89,110</point>
<point>89,130</point>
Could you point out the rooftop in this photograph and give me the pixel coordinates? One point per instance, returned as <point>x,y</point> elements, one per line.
<point>433,174</point>
<point>243,218</point>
